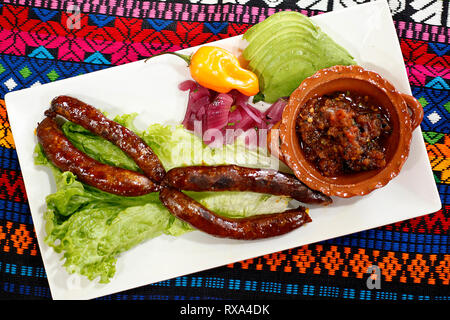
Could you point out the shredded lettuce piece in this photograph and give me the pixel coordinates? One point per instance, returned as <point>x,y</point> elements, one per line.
<point>91,227</point>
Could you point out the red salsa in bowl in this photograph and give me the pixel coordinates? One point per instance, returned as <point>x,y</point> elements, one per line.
<point>346,131</point>
<point>343,132</point>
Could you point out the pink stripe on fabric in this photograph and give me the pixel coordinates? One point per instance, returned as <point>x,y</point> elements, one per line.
<point>129,4</point>
<point>224,13</point>
<point>79,49</point>
<point>12,42</point>
<point>424,32</point>
<point>103,9</point>
<point>418,74</point>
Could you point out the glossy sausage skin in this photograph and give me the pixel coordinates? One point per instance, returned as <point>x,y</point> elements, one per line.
<point>251,228</point>
<point>93,120</point>
<point>65,156</point>
<point>236,178</point>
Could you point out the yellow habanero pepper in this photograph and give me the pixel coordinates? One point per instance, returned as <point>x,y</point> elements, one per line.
<point>219,70</point>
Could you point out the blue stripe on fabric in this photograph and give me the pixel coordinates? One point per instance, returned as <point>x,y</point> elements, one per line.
<point>396,241</point>
<point>8,159</point>
<point>292,289</point>
<point>271,287</point>
<point>436,117</point>
<point>12,80</point>
<point>213,282</point>
<point>444,192</point>
<point>26,290</point>
<point>15,212</point>
<point>234,284</point>
<point>22,270</point>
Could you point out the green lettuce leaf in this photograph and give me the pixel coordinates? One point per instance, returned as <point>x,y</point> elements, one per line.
<point>91,227</point>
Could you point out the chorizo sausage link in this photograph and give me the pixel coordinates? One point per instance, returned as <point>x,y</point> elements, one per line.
<point>250,228</point>
<point>65,156</point>
<point>236,178</point>
<point>93,120</point>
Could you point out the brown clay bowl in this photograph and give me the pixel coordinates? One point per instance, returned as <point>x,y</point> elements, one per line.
<point>404,111</point>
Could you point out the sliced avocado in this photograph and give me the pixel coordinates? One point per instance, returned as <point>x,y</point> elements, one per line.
<point>283,43</point>
<point>286,78</point>
<point>334,52</point>
<point>263,40</point>
<point>272,70</point>
<point>283,87</point>
<point>293,67</point>
<point>262,27</point>
<point>268,67</point>
<point>282,15</point>
<point>253,32</point>
<point>286,48</point>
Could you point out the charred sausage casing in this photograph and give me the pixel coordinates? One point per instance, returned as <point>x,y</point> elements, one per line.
<point>65,156</point>
<point>236,178</point>
<point>251,228</point>
<point>93,120</point>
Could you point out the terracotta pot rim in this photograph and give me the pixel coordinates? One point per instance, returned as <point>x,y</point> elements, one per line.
<point>344,187</point>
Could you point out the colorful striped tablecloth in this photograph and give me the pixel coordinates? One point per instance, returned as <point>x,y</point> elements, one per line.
<point>37,47</point>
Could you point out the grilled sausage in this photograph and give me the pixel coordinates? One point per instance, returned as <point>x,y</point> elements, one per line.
<point>236,178</point>
<point>65,156</point>
<point>250,228</point>
<point>93,120</point>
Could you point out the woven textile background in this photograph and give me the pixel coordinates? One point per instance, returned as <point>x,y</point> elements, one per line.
<point>36,47</point>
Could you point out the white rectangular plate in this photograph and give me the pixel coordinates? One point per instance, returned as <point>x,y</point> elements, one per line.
<point>150,89</point>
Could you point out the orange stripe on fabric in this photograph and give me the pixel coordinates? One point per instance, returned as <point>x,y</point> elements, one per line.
<point>6,138</point>
<point>17,238</point>
<point>439,155</point>
<point>348,262</point>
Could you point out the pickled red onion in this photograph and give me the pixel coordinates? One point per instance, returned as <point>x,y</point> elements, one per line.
<point>219,112</point>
